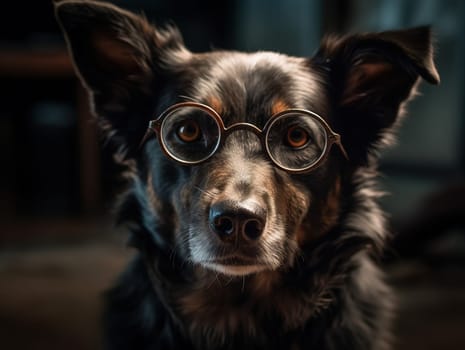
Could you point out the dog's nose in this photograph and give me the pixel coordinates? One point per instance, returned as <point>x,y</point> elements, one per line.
<point>231,220</point>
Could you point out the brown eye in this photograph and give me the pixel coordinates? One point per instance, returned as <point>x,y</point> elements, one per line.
<point>188,131</point>
<point>297,137</point>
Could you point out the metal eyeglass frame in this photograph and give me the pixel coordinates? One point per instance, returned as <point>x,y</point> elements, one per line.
<point>155,126</point>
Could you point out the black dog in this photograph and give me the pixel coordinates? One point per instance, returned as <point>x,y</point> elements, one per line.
<point>252,200</point>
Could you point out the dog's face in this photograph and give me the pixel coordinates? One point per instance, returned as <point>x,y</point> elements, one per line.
<point>241,211</point>
<point>237,212</point>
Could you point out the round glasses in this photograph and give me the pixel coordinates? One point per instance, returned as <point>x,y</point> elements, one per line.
<point>295,140</point>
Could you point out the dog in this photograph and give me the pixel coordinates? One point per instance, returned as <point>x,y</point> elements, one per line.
<point>252,198</point>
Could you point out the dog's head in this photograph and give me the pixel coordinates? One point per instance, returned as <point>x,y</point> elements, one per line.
<point>249,156</point>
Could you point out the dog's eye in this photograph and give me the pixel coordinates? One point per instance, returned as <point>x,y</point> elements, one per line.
<point>296,137</point>
<point>188,131</point>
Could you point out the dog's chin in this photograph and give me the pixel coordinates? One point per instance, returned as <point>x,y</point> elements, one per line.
<point>234,270</point>
<point>235,260</point>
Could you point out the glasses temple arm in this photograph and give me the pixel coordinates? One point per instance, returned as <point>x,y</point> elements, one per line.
<point>151,129</point>
<point>337,139</point>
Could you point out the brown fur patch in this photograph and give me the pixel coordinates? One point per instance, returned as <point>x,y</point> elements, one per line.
<point>215,103</point>
<point>323,216</point>
<point>302,235</point>
<point>331,209</point>
<point>208,311</point>
<point>263,284</point>
<point>279,106</point>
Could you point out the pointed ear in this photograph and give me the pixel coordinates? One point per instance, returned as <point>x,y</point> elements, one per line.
<point>372,75</point>
<point>119,56</point>
<point>102,42</point>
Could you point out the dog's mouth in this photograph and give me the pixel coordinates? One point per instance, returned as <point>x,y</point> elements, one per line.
<point>235,265</point>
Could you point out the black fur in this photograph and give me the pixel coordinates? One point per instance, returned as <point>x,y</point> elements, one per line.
<point>318,285</point>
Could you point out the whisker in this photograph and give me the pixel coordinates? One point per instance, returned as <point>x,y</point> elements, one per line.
<point>206,192</point>
<point>213,280</point>
<point>177,248</point>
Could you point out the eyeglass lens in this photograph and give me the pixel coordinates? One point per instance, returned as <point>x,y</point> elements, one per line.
<point>190,134</point>
<point>296,141</point>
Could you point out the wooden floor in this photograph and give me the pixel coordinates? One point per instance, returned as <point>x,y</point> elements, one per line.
<point>50,296</point>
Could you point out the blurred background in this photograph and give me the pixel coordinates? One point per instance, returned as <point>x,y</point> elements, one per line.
<point>58,248</point>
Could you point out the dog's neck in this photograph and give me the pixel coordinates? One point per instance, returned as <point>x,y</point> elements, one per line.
<point>200,298</point>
